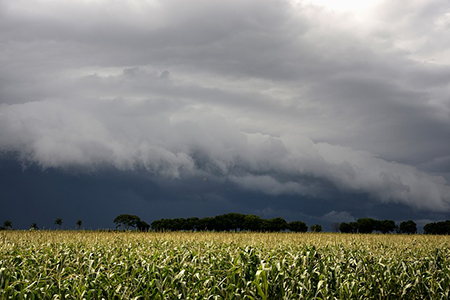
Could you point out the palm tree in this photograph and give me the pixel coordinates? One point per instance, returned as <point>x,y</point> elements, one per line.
<point>7,224</point>
<point>58,222</point>
<point>79,223</point>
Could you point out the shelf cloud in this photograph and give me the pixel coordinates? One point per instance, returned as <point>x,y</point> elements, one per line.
<point>278,98</point>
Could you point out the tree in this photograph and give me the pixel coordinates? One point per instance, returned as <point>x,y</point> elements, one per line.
<point>316,228</point>
<point>142,226</point>
<point>191,224</point>
<point>277,224</point>
<point>354,227</point>
<point>203,224</point>
<point>252,223</point>
<point>59,222</point>
<point>297,226</point>
<point>346,228</point>
<point>227,222</point>
<point>34,226</point>
<point>442,227</point>
<point>366,225</point>
<point>126,221</point>
<point>408,227</point>
<point>385,226</point>
<point>79,223</point>
<point>158,225</point>
<point>7,224</point>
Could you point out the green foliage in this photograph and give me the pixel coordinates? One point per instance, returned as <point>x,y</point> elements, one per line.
<point>58,222</point>
<point>252,223</point>
<point>347,227</point>
<point>127,221</point>
<point>385,226</point>
<point>226,222</point>
<point>298,226</point>
<point>132,265</point>
<point>442,227</point>
<point>408,227</point>
<point>142,226</point>
<point>277,224</point>
<point>7,224</point>
<point>368,225</point>
<point>316,228</point>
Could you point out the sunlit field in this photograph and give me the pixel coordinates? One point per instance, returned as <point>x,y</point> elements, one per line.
<point>181,265</point>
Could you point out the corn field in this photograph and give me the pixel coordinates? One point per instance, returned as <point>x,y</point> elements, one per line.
<point>129,265</point>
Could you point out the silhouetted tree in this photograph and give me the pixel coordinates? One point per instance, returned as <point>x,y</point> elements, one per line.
<point>442,227</point>
<point>298,226</point>
<point>34,226</point>
<point>157,225</point>
<point>316,228</point>
<point>252,223</point>
<point>79,223</point>
<point>220,223</point>
<point>351,227</point>
<point>143,226</point>
<point>345,228</point>
<point>204,224</point>
<point>354,226</point>
<point>408,227</point>
<point>227,222</point>
<point>59,222</point>
<point>366,225</point>
<point>277,224</point>
<point>7,224</point>
<point>127,221</point>
<point>191,224</point>
<point>385,226</point>
<point>265,225</point>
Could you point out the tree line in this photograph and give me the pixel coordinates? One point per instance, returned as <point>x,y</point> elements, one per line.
<point>244,222</point>
<point>369,225</point>
<point>232,222</point>
<point>442,227</point>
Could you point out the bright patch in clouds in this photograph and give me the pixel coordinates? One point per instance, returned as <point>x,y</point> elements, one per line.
<point>356,6</point>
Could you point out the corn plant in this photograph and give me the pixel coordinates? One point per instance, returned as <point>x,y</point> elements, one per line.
<point>179,265</point>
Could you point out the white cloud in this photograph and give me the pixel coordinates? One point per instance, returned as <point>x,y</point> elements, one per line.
<point>55,135</point>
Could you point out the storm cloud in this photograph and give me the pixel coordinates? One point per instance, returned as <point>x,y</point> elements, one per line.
<point>295,99</point>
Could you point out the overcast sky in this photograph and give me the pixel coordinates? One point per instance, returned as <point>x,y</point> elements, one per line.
<point>321,111</point>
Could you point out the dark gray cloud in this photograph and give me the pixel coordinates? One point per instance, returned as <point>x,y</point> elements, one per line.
<point>302,100</point>
<point>34,195</point>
